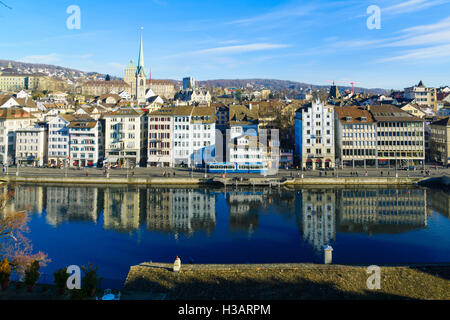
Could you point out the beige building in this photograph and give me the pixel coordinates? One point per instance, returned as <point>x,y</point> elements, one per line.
<point>162,88</point>
<point>440,141</point>
<point>414,109</point>
<point>98,88</point>
<point>126,138</point>
<point>400,137</point>
<point>422,95</point>
<point>356,137</point>
<point>11,81</point>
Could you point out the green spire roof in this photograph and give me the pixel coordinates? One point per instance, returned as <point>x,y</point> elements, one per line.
<point>141,66</point>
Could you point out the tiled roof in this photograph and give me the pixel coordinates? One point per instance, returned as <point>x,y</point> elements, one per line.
<point>353,115</point>
<point>124,112</point>
<point>391,113</point>
<point>15,113</point>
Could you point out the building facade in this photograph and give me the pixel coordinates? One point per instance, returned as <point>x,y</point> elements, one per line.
<point>59,140</point>
<point>356,137</point>
<point>315,136</point>
<point>160,138</point>
<point>86,141</point>
<point>440,141</point>
<point>126,137</point>
<point>400,137</point>
<point>32,145</point>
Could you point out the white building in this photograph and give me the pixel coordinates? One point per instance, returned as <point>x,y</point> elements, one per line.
<point>194,96</point>
<point>58,140</point>
<point>31,145</point>
<point>193,135</point>
<point>315,131</point>
<point>11,120</point>
<point>86,141</point>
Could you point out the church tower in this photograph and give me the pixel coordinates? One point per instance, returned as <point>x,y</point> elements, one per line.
<point>140,76</point>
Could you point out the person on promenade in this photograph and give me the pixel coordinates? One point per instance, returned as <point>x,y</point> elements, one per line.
<point>382,173</point>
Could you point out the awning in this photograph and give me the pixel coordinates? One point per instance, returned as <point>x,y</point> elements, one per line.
<point>309,160</point>
<point>318,160</point>
<point>328,160</point>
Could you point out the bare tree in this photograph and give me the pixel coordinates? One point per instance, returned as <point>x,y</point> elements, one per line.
<point>14,245</point>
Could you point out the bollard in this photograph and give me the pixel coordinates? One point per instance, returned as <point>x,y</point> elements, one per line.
<point>328,254</point>
<point>177,265</point>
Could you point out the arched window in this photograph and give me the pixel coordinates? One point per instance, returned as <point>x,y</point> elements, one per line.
<point>142,82</point>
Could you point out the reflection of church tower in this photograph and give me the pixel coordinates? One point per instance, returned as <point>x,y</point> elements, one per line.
<point>140,76</point>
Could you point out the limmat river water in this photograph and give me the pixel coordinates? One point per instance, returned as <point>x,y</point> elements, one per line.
<point>117,227</point>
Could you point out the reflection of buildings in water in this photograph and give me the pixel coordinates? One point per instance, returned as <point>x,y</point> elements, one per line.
<point>319,225</point>
<point>439,201</point>
<point>159,209</point>
<point>381,210</point>
<point>30,198</point>
<point>193,210</point>
<point>243,208</point>
<point>8,205</point>
<point>121,209</point>
<point>71,204</point>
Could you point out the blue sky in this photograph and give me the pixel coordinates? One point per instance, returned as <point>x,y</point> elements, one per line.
<point>310,40</point>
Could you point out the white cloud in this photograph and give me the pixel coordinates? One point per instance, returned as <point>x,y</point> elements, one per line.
<point>242,48</point>
<point>44,59</point>
<point>442,51</point>
<point>289,12</point>
<point>412,6</point>
<point>116,65</point>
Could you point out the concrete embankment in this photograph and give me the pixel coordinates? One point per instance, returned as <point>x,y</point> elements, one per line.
<point>109,181</point>
<point>353,181</point>
<point>287,282</point>
<point>244,182</point>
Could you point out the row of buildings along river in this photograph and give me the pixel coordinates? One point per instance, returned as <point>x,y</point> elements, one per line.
<point>318,213</point>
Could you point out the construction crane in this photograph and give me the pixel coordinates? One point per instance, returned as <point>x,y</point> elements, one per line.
<point>346,82</point>
<point>94,76</point>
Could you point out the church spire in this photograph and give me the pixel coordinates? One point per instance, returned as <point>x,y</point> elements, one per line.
<point>141,67</point>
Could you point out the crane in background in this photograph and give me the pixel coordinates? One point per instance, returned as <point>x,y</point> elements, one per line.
<point>346,82</point>
<point>94,76</point>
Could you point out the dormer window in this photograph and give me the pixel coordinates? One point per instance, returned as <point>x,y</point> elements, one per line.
<point>363,118</point>
<point>348,118</point>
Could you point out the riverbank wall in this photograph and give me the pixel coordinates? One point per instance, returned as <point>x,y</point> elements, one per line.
<point>219,182</point>
<point>288,282</point>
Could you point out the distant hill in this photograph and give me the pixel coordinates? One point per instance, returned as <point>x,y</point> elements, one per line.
<point>48,69</point>
<point>257,84</point>
<point>278,85</point>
